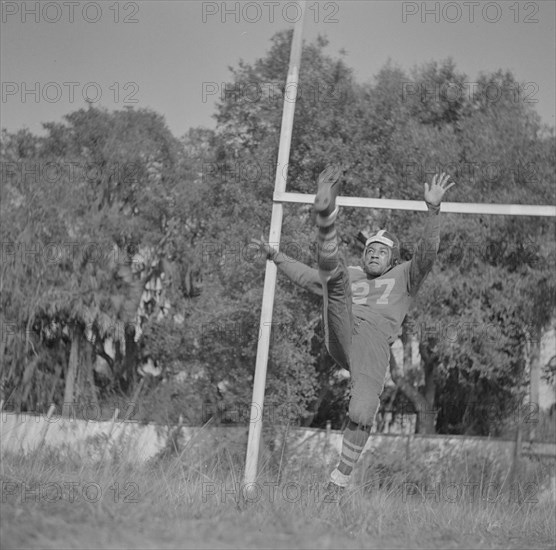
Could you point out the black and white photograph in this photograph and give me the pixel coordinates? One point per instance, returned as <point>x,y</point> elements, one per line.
<point>277,274</point>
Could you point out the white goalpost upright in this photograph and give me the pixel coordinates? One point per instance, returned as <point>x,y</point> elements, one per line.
<point>280,196</point>
<point>256,419</point>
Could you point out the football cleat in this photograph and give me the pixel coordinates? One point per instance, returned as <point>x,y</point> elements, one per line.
<point>328,188</point>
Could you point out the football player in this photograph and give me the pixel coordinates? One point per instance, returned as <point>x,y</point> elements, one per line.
<point>363,306</point>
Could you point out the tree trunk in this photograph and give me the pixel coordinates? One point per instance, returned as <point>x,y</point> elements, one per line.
<point>534,379</point>
<point>130,363</point>
<point>7,331</point>
<point>430,363</point>
<point>91,378</point>
<point>423,404</point>
<point>71,373</point>
<point>407,342</point>
<point>85,389</point>
<point>55,378</point>
<point>425,421</point>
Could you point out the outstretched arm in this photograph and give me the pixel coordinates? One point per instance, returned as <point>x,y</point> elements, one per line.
<point>424,255</point>
<point>301,274</point>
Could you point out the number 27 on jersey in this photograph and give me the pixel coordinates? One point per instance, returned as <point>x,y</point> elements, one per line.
<point>362,291</point>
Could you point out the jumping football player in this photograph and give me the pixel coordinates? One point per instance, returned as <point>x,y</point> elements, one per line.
<point>363,306</point>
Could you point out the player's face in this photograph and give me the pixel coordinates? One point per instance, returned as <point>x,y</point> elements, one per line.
<point>376,259</point>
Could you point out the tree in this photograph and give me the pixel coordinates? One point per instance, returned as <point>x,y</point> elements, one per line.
<point>180,286</point>
<point>395,141</point>
<point>88,221</point>
<point>485,263</point>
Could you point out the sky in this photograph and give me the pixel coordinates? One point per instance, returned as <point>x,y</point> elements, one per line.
<point>174,56</point>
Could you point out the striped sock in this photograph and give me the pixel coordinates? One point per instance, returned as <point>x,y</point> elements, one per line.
<point>353,442</point>
<point>327,240</point>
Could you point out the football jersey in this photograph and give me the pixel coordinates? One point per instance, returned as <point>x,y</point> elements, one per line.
<point>381,301</point>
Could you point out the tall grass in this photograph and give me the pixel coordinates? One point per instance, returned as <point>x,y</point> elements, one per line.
<point>191,494</point>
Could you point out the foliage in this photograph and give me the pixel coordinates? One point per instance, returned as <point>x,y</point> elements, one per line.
<point>160,266</point>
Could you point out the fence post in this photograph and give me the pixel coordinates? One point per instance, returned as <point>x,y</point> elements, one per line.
<point>112,426</point>
<point>518,445</point>
<point>516,458</point>
<point>47,425</point>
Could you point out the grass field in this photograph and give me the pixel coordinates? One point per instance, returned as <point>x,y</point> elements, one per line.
<point>194,499</point>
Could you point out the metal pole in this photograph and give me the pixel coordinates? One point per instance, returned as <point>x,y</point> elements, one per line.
<point>290,95</point>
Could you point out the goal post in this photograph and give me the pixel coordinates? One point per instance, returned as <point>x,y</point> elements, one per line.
<point>259,382</point>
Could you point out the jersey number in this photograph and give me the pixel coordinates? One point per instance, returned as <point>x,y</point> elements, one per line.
<point>360,290</point>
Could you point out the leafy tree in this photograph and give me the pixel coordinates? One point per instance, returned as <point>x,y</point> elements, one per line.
<point>485,263</point>
<point>178,284</point>
<point>390,142</point>
<point>93,216</point>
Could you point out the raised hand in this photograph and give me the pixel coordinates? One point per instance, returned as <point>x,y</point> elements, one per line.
<point>434,192</point>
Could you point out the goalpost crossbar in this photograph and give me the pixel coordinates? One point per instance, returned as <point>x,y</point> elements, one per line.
<point>447,207</point>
